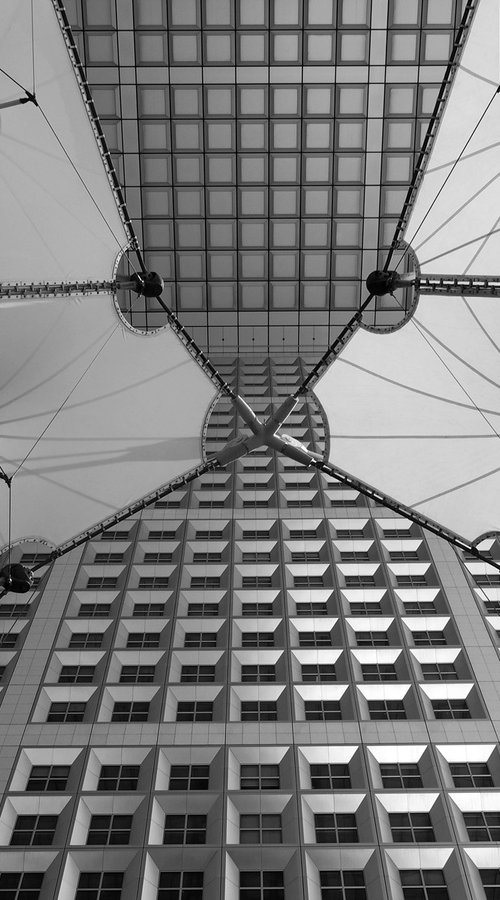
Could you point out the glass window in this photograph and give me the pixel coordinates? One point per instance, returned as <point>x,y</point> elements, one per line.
<point>262,828</point>
<point>400,775</point>
<point>90,640</point>
<point>257,639</point>
<point>411,827</point>
<point>262,886</point>
<point>130,711</point>
<point>471,774</point>
<point>199,674</point>
<point>20,885</point>
<point>330,776</point>
<point>335,828</point>
<point>189,778</point>
<point>482,826</point>
<point>185,829</point>
<point>490,879</point>
<point>315,639</point>
<point>66,712</point>
<point>379,672</point>
<point>318,672</point>
<point>112,829</point>
<point>386,709</point>
<point>76,675</point>
<point>423,884</point>
<point>258,673</point>
<point>31,831</point>
<point>342,885</point>
<point>99,886</point>
<point>259,711</point>
<point>439,671</point>
<point>148,610</point>
<point>118,778</point>
<point>264,777</point>
<point>137,674</point>
<point>143,639</point>
<point>47,778</point>
<point>194,711</point>
<point>322,710</point>
<point>451,709</point>
<point>180,886</point>
<point>200,639</point>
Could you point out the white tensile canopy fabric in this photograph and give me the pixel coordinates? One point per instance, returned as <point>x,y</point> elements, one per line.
<point>94,416</point>
<point>416,413</point>
<point>59,220</point>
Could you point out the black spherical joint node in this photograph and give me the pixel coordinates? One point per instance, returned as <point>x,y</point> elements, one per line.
<point>379,282</point>
<point>149,284</point>
<point>16,578</point>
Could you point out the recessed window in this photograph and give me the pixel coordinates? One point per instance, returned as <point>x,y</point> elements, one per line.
<point>153,582</point>
<point>258,673</point>
<point>262,886</point>
<point>20,885</point>
<point>47,778</point>
<point>304,556</point>
<point>343,885</point>
<point>255,610</point>
<point>379,672</point>
<point>429,638</point>
<point>411,827</point>
<point>311,609</point>
<point>315,639</point>
<point>99,886</point>
<point>209,557</point>
<point>8,640</point>
<point>318,672</point>
<point>372,639</point>
<point>189,778</point>
<point>254,557</point>
<point>400,775</point>
<point>490,879</point>
<point>32,831</point>
<point>335,828</point>
<point>66,712</point>
<point>137,674</point>
<point>360,581</point>
<point>205,581</point>
<point>203,609</point>
<point>259,711</point>
<point>360,608</point>
<point>76,675</point>
<point>442,671</point>
<point>260,829</point>
<point>108,558</point>
<point>386,709</point>
<point>161,535</point>
<point>180,886</point>
<point>199,674</point>
<point>302,581</point>
<point>94,610</point>
<point>330,776</point>
<point>90,640</point>
<point>157,558</point>
<point>257,581</point>
<point>148,610</point>
<point>185,829</point>
<point>264,777</point>
<point>420,608</point>
<point>141,640</point>
<point>471,774</point>
<point>118,778</point>
<point>257,639</point>
<point>482,826</point>
<point>98,582</point>
<point>130,711</point>
<point>194,711</point>
<point>15,610</point>
<point>104,830</point>
<point>451,708</point>
<point>322,710</point>
<point>200,639</point>
<point>423,884</point>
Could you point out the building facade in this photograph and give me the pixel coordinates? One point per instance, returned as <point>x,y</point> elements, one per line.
<point>264,686</point>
